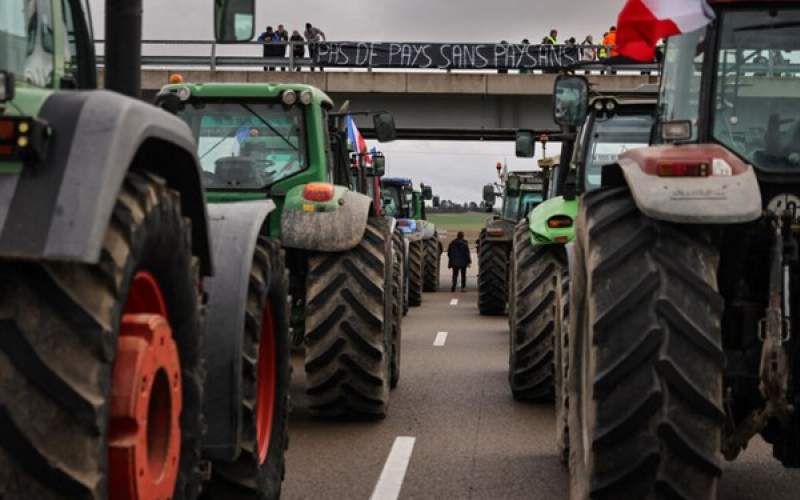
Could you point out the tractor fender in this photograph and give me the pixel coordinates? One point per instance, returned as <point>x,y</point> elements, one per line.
<point>500,230</point>
<point>429,231</point>
<point>59,210</point>
<point>329,231</point>
<point>235,228</point>
<point>729,195</point>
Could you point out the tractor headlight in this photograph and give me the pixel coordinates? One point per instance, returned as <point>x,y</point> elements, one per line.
<point>305,97</point>
<point>289,97</point>
<point>184,93</point>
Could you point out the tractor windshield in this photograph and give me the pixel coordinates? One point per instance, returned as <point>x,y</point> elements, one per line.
<point>516,207</point>
<point>26,40</point>
<point>756,110</point>
<point>391,201</point>
<point>610,137</point>
<point>247,145</point>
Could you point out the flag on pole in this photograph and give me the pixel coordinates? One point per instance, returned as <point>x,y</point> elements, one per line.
<point>642,23</point>
<point>357,142</point>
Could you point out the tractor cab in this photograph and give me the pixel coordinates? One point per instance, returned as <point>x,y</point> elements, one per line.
<point>398,197</point>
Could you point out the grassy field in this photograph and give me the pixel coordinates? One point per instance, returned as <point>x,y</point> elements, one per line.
<point>470,222</point>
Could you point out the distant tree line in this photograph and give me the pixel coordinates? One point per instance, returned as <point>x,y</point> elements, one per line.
<point>449,206</point>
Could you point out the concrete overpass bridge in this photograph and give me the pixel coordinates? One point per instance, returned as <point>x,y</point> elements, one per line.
<point>426,105</point>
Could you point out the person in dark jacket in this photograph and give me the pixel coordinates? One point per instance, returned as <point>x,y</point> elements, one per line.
<point>459,260</point>
<point>297,47</point>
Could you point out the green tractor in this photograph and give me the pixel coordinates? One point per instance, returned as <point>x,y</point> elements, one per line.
<point>282,144</point>
<point>539,282</point>
<point>422,246</point>
<point>106,259</point>
<point>431,244</point>
<point>521,192</point>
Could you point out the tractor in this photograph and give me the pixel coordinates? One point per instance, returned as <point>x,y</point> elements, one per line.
<point>521,192</point>
<point>685,269</point>
<point>431,244</point>
<point>539,275</point>
<point>282,144</point>
<point>422,245</point>
<point>106,259</point>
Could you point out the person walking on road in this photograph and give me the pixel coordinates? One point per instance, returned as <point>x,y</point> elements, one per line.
<point>459,259</point>
<point>314,35</point>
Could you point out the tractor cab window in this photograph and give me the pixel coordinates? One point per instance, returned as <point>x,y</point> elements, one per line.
<point>681,78</point>
<point>756,105</point>
<point>26,40</point>
<point>391,201</point>
<point>611,136</point>
<point>247,145</point>
<point>79,65</point>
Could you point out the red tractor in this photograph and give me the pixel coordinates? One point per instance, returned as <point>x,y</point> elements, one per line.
<point>685,269</point>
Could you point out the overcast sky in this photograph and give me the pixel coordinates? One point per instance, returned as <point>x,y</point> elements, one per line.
<point>456,170</point>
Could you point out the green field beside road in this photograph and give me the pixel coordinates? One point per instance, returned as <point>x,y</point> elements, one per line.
<point>469,222</point>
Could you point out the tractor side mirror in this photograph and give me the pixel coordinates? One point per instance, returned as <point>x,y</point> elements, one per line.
<point>436,202</point>
<point>385,129</point>
<point>379,165</point>
<point>489,197</point>
<point>234,20</point>
<point>513,186</point>
<point>427,193</point>
<point>525,144</point>
<point>571,100</point>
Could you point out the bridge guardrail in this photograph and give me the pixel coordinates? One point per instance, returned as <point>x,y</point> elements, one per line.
<point>369,56</point>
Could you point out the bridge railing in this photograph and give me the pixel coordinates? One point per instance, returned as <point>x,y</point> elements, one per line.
<point>372,56</point>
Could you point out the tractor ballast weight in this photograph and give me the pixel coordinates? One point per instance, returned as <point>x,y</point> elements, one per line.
<point>331,226</point>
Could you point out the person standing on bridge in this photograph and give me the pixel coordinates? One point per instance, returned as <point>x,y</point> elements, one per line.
<point>298,49</point>
<point>459,259</point>
<point>314,35</point>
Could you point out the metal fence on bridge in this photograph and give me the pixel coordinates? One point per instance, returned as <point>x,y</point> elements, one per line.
<point>371,56</point>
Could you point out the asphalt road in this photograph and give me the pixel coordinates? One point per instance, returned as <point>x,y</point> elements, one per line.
<point>472,441</point>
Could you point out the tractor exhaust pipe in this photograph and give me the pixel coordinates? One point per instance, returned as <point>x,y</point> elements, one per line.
<point>123,52</point>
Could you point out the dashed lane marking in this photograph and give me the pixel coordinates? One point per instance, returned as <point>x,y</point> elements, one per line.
<point>441,338</point>
<point>453,302</point>
<point>394,470</point>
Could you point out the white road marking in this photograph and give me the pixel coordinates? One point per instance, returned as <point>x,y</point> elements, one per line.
<point>441,338</point>
<point>394,470</point>
<point>454,302</point>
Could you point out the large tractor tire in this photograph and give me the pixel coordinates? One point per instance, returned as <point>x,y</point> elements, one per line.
<point>266,371</point>
<point>433,256</point>
<point>398,303</point>
<point>493,273</point>
<point>348,342</point>
<point>646,358</point>
<point>534,316</point>
<point>561,353</point>
<point>102,366</point>
<point>416,271</point>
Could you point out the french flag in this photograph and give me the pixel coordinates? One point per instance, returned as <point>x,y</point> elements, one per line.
<point>357,142</point>
<point>642,23</point>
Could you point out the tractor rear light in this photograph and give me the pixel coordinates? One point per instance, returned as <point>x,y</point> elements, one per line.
<point>403,223</point>
<point>561,239</point>
<point>318,191</point>
<point>495,232</point>
<point>559,222</point>
<point>683,169</point>
<point>23,138</point>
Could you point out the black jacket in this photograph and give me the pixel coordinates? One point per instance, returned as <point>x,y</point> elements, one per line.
<point>458,253</point>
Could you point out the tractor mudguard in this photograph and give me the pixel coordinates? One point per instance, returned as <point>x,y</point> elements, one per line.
<point>538,219</point>
<point>234,231</point>
<point>337,229</point>
<point>59,210</point>
<point>428,229</point>
<point>728,194</point>
<point>500,230</point>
